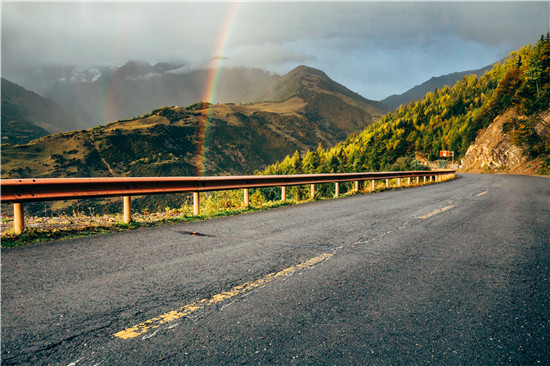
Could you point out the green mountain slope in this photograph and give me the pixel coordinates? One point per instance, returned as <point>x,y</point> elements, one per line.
<point>26,115</point>
<point>449,119</point>
<point>439,82</point>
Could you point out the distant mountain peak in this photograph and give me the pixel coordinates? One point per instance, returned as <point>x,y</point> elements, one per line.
<point>417,92</point>
<point>134,68</point>
<point>164,67</point>
<point>309,83</point>
<point>303,69</point>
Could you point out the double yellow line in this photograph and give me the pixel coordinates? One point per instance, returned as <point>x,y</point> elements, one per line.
<point>184,311</point>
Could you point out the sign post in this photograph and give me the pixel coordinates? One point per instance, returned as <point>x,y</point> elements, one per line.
<point>452,159</point>
<point>446,154</point>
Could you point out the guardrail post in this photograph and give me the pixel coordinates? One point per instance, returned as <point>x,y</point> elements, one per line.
<point>127,210</point>
<point>387,183</point>
<point>283,193</point>
<point>417,180</point>
<point>409,181</point>
<point>246,198</point>
<point>424,180</point>
<point>356,186</point>
<point>399,182</point>
<point>373,184</point>
<point>312,191</point>
<point>18,218</point>
<point>196,203</point>
<point>336,189</point>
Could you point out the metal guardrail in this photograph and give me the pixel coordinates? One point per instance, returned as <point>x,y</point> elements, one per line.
<point>19,191</point>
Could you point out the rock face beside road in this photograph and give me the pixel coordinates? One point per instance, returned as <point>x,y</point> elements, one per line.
<point>494,152</point>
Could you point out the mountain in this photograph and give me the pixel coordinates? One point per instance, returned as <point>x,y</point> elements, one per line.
<point>99,95</point>
<point>419,91</point>
<point>498,122</point>
<point>203,138</point>
<point>16,130</point>
<point>26,115</point>
<point>138,87</point>
<point>327,100</point>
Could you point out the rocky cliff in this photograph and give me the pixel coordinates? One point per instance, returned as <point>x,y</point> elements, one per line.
<point>494,152</point>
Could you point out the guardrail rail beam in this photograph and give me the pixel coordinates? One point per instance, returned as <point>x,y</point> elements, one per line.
<point>19,191</point>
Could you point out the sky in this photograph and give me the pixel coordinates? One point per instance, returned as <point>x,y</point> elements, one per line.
<point>374,48</point>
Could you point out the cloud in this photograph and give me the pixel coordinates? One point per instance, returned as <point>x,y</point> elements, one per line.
<point>358,42</point>
<point>271,56</point>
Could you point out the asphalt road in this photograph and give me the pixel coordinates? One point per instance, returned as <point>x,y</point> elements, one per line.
<point>453,273</point>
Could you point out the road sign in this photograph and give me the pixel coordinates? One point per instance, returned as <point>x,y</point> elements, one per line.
<point>444,153</point>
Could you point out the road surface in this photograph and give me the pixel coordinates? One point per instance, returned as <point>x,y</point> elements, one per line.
<point>453,273</point>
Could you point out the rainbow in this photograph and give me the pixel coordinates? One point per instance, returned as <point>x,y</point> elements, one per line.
<point>211,88</point>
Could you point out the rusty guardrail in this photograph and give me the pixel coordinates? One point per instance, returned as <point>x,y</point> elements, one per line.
<point>19,191</point>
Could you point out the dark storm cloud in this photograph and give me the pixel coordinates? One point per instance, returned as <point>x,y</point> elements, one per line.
<point>374,48</point>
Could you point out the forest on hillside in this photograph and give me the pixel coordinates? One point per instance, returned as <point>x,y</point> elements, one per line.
<point>446,119</point>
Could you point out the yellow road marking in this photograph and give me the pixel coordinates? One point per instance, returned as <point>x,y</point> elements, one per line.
<point>440,210</point>
<point>482,193</point>
<point>150,324</point>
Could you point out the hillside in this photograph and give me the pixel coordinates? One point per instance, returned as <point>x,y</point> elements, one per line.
<point>16,130</point>
<point>199,139</point>
<point>512,100</point>
<point>436,82</point>
<point>324,98</point>
<point>26,115</point>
